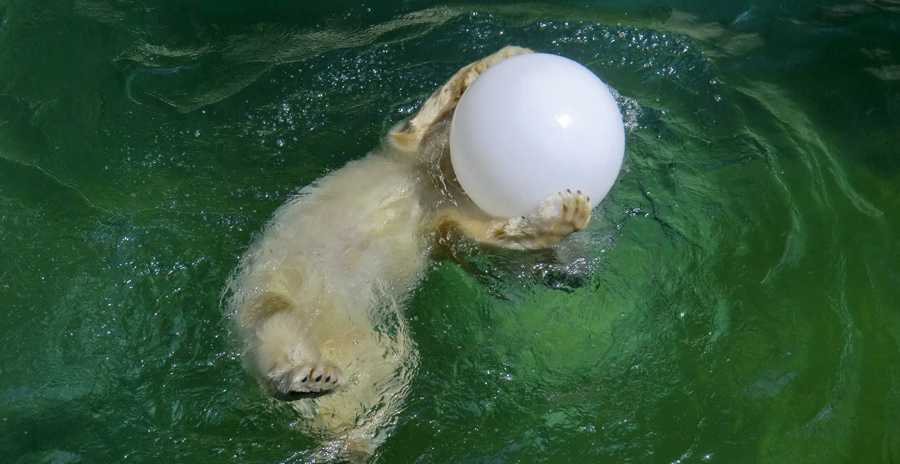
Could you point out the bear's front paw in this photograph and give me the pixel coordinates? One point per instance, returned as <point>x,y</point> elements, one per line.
<point>306,381</point>
<point>557,217</point>
<point>566,212</point>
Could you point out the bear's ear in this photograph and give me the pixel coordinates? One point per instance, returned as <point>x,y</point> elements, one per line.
<point>402,137</point>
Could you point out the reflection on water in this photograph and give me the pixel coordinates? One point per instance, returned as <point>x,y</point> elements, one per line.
<point>731,300</point>
<point>181,77</point>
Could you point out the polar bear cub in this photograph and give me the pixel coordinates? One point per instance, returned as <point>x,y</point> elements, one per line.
<point>316,300</point>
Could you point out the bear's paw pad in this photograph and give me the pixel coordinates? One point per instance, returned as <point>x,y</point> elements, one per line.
<point>306,381</point>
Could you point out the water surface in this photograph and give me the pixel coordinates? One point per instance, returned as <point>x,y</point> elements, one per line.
<point>733,300</point>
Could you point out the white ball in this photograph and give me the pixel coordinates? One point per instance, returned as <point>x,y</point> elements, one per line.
<point>533,125</point>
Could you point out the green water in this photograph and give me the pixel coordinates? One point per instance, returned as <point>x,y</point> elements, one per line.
<point>734,300</point>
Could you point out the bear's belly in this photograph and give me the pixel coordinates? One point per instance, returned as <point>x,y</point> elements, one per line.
<point>357,235</point>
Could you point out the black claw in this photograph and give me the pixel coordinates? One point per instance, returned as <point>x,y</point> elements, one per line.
<point>319,378</point>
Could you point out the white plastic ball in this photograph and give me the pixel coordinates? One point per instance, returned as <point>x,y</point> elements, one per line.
<point>531,126</point>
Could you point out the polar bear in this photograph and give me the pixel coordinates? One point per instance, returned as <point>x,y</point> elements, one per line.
<point>317,299</point>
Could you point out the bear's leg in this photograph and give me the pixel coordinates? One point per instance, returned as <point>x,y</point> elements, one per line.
<point>558,216</point>
<point>410,135</point>
<point>287,356</point>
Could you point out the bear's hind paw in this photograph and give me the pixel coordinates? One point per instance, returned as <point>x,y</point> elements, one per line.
<point>306,381</point>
